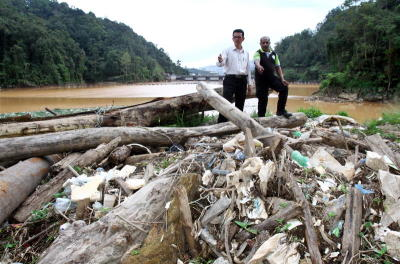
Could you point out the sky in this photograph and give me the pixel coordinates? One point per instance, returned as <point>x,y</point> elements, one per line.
<point>196,31</point>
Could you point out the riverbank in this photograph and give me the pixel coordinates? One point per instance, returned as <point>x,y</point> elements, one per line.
<point>235,201</point>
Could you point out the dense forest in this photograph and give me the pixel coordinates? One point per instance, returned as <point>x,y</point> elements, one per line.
<point>355,49</point>
<point>44,42</point>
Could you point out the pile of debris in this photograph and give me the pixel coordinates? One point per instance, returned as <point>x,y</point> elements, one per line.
<point>298,191</point>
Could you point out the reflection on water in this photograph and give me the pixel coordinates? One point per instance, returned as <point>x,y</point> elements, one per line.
<point>34,99</point>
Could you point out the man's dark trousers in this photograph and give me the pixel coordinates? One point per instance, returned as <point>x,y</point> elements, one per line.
<point>234,87</point>
<point>262,85</point>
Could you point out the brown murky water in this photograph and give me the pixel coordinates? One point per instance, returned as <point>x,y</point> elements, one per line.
<point>35,99</point>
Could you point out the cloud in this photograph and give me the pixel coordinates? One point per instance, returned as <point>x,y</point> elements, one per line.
<point>195,31</point>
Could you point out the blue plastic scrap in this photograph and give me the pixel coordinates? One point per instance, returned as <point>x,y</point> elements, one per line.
<point>239,156</point>
<point>362,190</point>
<point>220,172</point>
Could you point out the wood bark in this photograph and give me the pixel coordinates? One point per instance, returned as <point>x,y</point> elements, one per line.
<point>83,139</point>
<point>336,140</point>
<point>62,164</point>
<point>351,239</point>
<point>311,235</point>
<point>44,193</point>
<point>186,219</point>
<point>107,240</point>
<point>119,155</point>
<point>19,181</point>
<point>148,114</point>
<point>132,160</point>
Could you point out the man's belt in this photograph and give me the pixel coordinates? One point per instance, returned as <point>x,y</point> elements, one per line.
<point>238,76</point>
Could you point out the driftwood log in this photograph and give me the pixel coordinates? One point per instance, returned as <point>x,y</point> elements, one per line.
<point>148,114</point>
<point>125,228</point>
<point>337,140</point>
<point>223,106</point>
<point>311,235</point>
<point>18,181</point>
<point>83,139</point>
<point>62,164</point>
<point>44,193</point>
<point>239,118</point>
<point>351,240</point>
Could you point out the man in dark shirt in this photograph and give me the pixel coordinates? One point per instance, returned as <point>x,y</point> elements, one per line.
<point>267,63</point>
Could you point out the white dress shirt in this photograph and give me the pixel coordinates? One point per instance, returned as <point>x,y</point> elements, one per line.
<point>236,61</point>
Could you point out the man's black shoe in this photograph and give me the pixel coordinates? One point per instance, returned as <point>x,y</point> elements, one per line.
<point>285,113</point>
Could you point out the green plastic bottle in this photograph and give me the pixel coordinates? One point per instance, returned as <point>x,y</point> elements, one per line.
<point>300,159</point>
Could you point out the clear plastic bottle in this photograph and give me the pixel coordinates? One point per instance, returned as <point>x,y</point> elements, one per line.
<point>300,159</point>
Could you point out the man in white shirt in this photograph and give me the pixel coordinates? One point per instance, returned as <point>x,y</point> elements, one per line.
<point>237,80</point>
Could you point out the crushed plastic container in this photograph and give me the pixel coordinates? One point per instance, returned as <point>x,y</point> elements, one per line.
<point>239,155</point>
<point>300,159</point>
<point>63,204</point>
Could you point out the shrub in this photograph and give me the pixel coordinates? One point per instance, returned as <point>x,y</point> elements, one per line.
<point>342,113</point>
<point>311,112</point>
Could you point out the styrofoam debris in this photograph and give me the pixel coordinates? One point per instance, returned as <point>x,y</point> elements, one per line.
<point>376,161</point>
<point>242,183</point>
<point>293,223</point>
<point>207,178</point>
<point>134,184</point>
<point>322,158</point>
<point>123,173</point>
<point>390,185</point>
<point>324,118</point>
<point>391,214</point>
<point>252,166</point>
<point>276,250</point>
<point>109,200</point>
<point>334,254</point>
<point>90,190</point>
<point>237,142</point>
<point>266,172</point>
<point>392,241</point>
<point>233,144</point>
<point>390,238</point>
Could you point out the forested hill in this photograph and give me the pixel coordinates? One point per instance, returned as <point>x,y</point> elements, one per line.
<point>44,42</point>
<point>355,49</point>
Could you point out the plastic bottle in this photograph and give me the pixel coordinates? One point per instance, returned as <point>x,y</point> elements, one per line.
<point>297,134</point>
<point>300,159</point>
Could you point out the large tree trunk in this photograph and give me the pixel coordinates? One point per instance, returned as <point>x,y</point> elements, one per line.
<point>18,181</point>
<point>233,114</point>
<point>239,118</point>
<point>114,236</point>
<point>148,114</point>
<point>83,139</point>
<point>44,193</point>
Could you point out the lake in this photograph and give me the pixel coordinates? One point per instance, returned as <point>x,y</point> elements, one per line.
<point>107,95</point>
